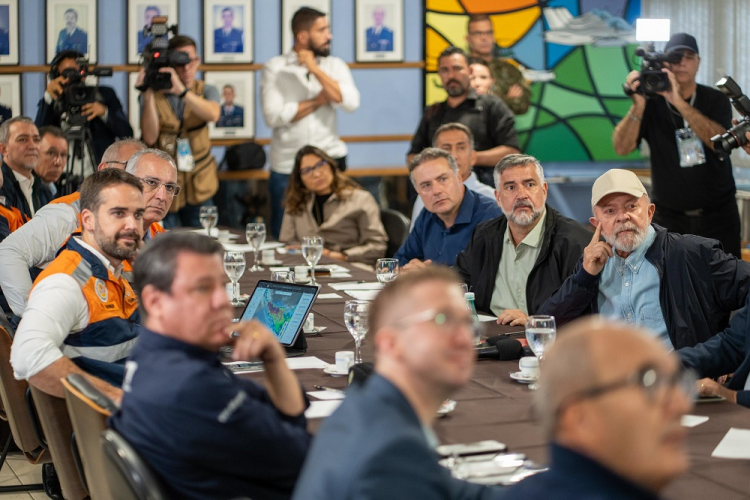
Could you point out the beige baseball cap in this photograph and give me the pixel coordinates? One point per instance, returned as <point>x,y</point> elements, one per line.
<point>616,181</point>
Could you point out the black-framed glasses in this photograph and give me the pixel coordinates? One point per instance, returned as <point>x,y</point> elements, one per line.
<point>310,170</point>
<point>152,184</point>
<point>446,321</point>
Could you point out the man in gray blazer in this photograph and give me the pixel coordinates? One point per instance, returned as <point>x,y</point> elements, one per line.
<point>379,443</point>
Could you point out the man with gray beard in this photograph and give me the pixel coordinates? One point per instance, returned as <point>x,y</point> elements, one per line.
<point>514,262</point>
<point>682,288</point>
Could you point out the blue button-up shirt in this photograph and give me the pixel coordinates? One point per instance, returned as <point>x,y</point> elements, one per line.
<point>629,291</point>
<point>430,239</point>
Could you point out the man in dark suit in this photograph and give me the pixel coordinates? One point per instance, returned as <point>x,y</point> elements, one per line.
<point>107,121</point>
<point>232,115</point>
<point>228,38</point>
<point>148,15</point>
<point>379,36</point>
<point>72,37</point>
<point>379,443</point>
<point>5,113</point>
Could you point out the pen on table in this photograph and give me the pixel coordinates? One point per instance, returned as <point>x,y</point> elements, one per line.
<point>331,389</point>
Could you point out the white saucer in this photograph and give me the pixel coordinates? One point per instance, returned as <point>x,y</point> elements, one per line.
<point>448,406</point>
<point>331,370</point>
<point>524,379</point>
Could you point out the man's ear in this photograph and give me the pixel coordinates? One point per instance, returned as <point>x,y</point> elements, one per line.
<point>594,221</point>
<point>151,299</point>
<point>88,220</point>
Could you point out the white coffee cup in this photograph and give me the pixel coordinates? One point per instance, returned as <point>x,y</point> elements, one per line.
<point>309,325</point>
<point>529,366</point>
<point>300,272</point>
<point>268,255</point>
<point>344,361</point>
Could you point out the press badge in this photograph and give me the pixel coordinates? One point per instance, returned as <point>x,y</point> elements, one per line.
<point>690,148</point>
<point>185,161</point>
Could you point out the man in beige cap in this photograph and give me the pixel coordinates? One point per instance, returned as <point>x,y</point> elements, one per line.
<point>680,287</point>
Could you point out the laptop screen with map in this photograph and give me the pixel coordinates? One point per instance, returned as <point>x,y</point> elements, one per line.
<point>282,307</point>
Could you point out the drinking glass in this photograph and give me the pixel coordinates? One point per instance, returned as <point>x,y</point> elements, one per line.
<point>234,266</point>
<point>283,276</point>
<point>540,334</point>
<point>356,314</point>
<point>312,250</point>
<point>386,270</point>
<point>209,216</point>
<point>255,232</point>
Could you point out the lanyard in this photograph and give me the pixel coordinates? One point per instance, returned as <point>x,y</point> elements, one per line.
<point>674,111</point>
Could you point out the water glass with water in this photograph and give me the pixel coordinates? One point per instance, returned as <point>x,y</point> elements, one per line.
<point>209,217</point>
<point>234,266</point>
<point>312,251</point>
<point>255,232</point>
<point>386,270</point>
<point>356,319</point>
<point>540,334</point>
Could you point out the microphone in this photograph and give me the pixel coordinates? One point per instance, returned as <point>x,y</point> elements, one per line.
<point>502,350</point>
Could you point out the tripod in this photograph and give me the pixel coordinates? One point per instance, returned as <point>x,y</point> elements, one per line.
<point>79,138</point>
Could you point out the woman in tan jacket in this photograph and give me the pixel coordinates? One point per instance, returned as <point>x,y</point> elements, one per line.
<point>321,201</point>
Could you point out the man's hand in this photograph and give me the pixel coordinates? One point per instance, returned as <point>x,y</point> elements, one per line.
<point>746,147</point>
<point>709,388</point>
<point>512,317</point>
<point>93,110</point>
<point>321,99</point>
<point>515,91</point>
<point>596,254</point>
<point>307,59</point>
<point>672,95</point>
<point>177,86</point>
<point>415,264</point>
<point>141,77</point>
<point>633,82</point>
<point>55,87</point>
<point>334,255</point>
<point>256,342</point>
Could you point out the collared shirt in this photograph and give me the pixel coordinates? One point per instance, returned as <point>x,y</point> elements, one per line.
<point>629,290</point>
<point>286,83</point>
<point>471,182</point>
<point>430,239</point>
<point>516,263</point>
<point>27,188</point>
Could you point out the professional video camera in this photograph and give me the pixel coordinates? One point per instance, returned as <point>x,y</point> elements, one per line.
<point>734,137</point>
<point>76,93</point>
<point>653,79</point>
<point>157,56</point>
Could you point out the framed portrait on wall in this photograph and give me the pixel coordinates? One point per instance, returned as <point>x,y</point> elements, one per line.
<point>8,31</point>
<point>140,15</point>
<point>10,96</point>
<point>237,91</point>
<point>288,8</point>
<point>71,25</point>
<point>379,30</point>
<point>227,31</point>
<point>134,106</point>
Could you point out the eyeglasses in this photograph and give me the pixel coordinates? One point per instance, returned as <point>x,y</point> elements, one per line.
<point>482,33</point>
<point>649,380</point>
<point>303,172</point>
<point>151,184</point>
<point>63,155</point>
<point>444,320</point>
<point>117,162</point>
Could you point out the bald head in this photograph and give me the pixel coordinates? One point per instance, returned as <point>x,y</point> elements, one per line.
<point>119,152</point>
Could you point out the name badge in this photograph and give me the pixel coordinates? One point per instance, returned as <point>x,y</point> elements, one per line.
<point>185,162</point>
<point>689,148</point>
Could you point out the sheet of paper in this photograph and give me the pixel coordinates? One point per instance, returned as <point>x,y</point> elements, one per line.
<point>329,296</point>
<point>736,444</point>
<point>278,268</point>
<point>351,285</point>
<point>238,247</point>
<point>326,395</point>
<point>362,294</point>
<point>693,420</point>
<point>305,363</point>
<point>321,409</point>
<point>484,318</point>
<point>339,276</point>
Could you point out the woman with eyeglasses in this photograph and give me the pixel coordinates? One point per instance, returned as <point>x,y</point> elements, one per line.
<point>321,201</point>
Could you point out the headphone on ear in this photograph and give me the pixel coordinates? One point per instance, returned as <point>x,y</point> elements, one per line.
<point>60,57</point>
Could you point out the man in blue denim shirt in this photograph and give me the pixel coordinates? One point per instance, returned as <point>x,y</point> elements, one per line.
<point>451,212</point>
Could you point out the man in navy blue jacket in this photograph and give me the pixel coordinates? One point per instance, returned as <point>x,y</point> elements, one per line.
<point>207,433</point>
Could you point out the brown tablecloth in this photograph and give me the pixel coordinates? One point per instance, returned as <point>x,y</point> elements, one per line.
<point>493,406</point>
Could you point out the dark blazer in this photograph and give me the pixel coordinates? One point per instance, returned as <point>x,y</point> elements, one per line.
<point>374,447</point>
<point>40,194</point>
<point>103,134</point>
<point>228,43</point>
<point>235,119</point>
<point>563,242</point>
<point>700,286</point>
<point>77,41</point>
<point>5,113</point>
<point>380,42</point>
<point>727,352</point>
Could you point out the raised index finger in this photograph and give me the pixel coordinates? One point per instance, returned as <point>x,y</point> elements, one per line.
<point>597,234</point>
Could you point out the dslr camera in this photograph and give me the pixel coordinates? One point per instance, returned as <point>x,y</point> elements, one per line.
<point>156,55</point>
<point>734,137</point>
<point>653,79</point>
<point>76,93</point>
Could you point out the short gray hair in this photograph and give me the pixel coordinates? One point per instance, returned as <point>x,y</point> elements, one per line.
<point>5,127</point>
<point>112,153</point>
<point>135,160</point>
<point>430,154</point>
<point>516,160</point>
<point>453,126</point>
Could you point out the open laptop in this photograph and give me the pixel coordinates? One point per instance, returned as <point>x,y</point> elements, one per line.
<point>282,308</point>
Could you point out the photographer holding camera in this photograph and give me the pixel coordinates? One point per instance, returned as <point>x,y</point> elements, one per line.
<point>106,119</point>
<point>692,188</point>
<point>175,120</point>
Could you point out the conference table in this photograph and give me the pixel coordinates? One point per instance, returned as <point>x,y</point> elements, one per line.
<point>493,406</point>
